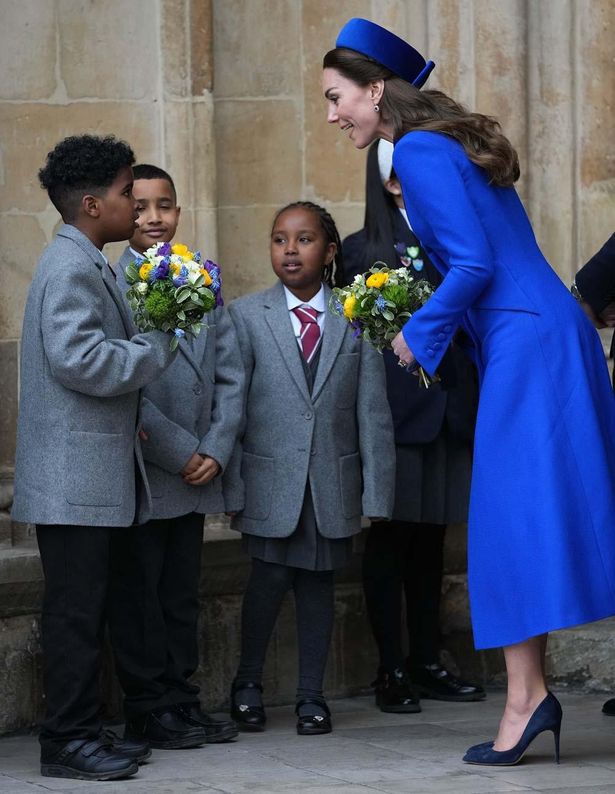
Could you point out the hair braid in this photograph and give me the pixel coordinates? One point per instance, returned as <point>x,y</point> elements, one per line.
<point>334,273</point>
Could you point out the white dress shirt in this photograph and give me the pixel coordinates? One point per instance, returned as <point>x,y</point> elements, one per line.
<point>317,302</point>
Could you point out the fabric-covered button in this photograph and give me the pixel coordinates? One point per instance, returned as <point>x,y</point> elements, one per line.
<point>442,337</point>
<point>448,328</point>
<point>197,389</point>
<point>437,345</point>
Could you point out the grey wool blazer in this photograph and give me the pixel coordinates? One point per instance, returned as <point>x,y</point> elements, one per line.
<point>194,406</point>
<point>82,366</point>
<point>340,437</point>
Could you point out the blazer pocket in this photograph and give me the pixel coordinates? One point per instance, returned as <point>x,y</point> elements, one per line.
<point>346,367</point>
<point>95,468</point>
<point>350,484</point>
<point>257,475</point>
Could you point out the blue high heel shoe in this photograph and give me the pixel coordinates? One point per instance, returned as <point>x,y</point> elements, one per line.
<point>546,717</point>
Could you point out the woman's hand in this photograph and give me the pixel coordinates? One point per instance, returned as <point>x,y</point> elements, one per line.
<point>402,351</point>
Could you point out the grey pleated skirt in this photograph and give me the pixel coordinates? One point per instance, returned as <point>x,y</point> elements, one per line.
<point>305,548</point>
<point>432,481</point>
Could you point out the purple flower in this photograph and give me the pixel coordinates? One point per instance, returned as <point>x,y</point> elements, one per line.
<point>357,328</point>
<point>164,249</point>
<point>212,268</point>
<point>161,271</point>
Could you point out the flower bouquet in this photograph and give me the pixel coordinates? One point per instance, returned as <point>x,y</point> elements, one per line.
<point>378,303</point>
<point>171,289</point>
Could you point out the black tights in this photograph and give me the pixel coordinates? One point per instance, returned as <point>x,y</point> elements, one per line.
<point>404,556</point>
<point>313,591</point>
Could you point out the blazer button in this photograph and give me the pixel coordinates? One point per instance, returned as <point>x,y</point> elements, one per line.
<point>308,414</point>
<point>197,388</point>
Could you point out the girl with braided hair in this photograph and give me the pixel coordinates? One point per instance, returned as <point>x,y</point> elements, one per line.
<point>299,479</point>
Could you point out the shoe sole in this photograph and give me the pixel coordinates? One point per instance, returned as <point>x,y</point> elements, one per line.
<point>250,728</point>
<point>301,732</point>
<point>56,770</point>
<point>400,709</point>
<point>173,744</point>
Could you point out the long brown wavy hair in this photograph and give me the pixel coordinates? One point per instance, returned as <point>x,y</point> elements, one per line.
<point>407,108</point>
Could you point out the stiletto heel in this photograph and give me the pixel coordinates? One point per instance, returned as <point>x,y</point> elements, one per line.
<point>546,717</point>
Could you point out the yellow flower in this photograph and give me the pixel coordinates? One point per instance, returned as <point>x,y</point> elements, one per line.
<point>145,270</point>
<point>206,276</point>
<point>175,268</point>
<point>349,306</point>
<point>377,280</point>
<point>179,249</point>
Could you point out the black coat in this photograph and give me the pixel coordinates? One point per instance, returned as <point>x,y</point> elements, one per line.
<point>419,414</point>
<point>596,281</point>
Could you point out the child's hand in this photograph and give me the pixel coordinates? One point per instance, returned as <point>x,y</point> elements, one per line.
<point>208,468</point>
<point>192,465</point>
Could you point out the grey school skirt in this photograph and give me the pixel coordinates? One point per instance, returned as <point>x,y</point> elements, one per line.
<point>432,481</point>
<point>305,548</point>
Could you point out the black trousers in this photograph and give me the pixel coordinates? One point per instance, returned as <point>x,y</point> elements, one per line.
<point>153,611</point>
<point>75,562</point>
<point>402,558</point>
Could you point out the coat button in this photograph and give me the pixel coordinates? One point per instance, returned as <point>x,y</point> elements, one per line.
<point>197,388</point>
<point>313,452</point>
<point>308,414</point>
<point>442,337</point>
<point>437,345</point>
<point>448,328</point>
<point>430,352</point>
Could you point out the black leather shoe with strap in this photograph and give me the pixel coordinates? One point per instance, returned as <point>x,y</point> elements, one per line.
<point>435,682</point>
<point>247,717</point>
<point>394,694</point>
<point>609,707</point>
<point>316,723</point>
<point>216,731</point>
<point>137,749</point>
<point>164,729</point>
<point>87,759</point>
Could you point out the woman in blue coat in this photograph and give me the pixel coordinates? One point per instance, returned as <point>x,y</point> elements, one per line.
<point>541,535</point>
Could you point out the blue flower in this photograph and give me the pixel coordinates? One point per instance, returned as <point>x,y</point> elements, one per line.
<point>196,257</point>
<point>339,307</point>
<point>381,303</point>
<point>357,328</point>
<point>139,260</point>
<point>179,333</point>
<point>161,271</point>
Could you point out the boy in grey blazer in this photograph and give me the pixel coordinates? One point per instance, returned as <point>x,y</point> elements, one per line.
<point>316,452</point>
<point>190,417</point>
<point>82,366</point>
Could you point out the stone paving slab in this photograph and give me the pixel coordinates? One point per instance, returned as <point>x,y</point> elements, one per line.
<point>368,752</point>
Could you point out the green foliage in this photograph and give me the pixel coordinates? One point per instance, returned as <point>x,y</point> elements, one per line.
<point>161,307</point>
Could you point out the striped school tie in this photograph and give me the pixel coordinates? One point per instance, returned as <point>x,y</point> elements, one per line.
<point>309,335</point>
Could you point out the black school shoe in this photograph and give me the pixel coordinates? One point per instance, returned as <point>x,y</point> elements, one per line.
<point>609,707</point>
<point>87,759</point>
<point>165,729</point>
<point>313,724</point>
<point>247,718</point>
<point>435,682</point>
<point>216,731</point>
<point>137,750</point>
<point>394,693</point>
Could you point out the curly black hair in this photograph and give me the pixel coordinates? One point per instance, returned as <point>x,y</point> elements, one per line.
<point>334,273</point>
<point>82,164</point>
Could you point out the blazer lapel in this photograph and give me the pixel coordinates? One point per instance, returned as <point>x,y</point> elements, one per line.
<point>332,337</point>
<point>193,349</point>
<point>278,320</point>
<point>111,285</point>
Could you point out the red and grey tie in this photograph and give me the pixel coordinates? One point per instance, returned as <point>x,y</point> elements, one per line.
<point>309,335</point>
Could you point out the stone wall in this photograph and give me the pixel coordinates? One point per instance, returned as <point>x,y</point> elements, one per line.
<point>226,95</point>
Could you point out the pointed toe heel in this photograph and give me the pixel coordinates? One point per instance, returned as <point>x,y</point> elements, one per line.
<point>546,717</point>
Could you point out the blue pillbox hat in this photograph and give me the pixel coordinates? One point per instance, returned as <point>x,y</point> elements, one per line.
<point>385,47</point>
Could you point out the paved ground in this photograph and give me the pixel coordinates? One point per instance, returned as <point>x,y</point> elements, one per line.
<point>368,752</point>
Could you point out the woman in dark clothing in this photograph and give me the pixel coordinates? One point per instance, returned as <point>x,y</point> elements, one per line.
<point>433,435</point>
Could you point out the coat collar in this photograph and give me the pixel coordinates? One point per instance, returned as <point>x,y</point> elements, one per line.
<point>278,319</point>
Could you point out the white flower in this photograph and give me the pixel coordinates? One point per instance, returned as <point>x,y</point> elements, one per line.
<point>142,287</point>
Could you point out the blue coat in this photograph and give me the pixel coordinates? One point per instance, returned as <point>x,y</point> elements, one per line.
<point>541,534</point>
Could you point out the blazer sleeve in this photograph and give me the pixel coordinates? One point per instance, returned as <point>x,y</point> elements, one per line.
<point>169,445</point>
<point>228,397</point>
<point>433,181</point>
<point>232,485</point>
<point>596,279</point>
<point>80,355</point>
<point>376,438</point>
